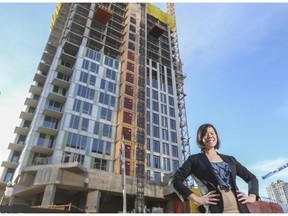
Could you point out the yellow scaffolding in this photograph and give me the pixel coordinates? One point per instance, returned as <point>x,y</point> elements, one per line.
<point>159,14</point>
<point>54,16</point>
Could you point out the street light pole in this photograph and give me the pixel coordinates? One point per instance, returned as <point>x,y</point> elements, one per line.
<point>122,158</point>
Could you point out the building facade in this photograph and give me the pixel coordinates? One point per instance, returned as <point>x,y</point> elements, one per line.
<point>278,192</point>
<point>106,82</point>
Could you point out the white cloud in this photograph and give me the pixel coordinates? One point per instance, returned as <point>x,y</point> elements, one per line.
<point>262,168</point>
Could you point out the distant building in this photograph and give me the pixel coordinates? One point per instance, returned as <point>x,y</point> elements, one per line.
<point>278,192</point>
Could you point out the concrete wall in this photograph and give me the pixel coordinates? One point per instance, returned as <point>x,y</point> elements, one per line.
<point>73,176</point>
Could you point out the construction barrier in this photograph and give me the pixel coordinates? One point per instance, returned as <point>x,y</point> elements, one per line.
<point>159,14</point>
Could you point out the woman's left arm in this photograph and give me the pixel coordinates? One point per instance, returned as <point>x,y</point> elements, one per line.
<point>251,198</point>
<point>251,180</point>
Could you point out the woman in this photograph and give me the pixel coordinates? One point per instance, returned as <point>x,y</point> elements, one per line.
<point>217,174</point>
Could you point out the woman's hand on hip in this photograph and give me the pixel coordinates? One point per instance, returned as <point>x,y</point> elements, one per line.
<point>208,199</point>
<point>251,198</point>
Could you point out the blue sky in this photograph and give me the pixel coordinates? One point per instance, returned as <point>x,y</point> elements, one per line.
<point>235,59</point>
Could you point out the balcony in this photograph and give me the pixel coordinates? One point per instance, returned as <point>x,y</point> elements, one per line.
<point>21,130</point>
<point>53,40</point>
<point>71,49</point>
<point>46,130</point>
<point>56,97</point>
<point>26,116</point>
<point>43,67</point>
<point>94,45</point>
<point>52,113</point>
<point>39,78</point>
<point>74,38</point>
<point>35,90</point>
<point>41,161</point>
<point>66,57</point>
<point>16,146</point>
<point>42,150</point>
<point>9,164</point>
<point>31,102</point>
<point>61,83</point>
<point>50,49</point>
<point>47,57</point>
<point>65,70</point>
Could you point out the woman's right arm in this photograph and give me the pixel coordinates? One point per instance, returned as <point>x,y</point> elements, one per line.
<point>177,181</point>
<point>180,176</point>
<point>208,199</point>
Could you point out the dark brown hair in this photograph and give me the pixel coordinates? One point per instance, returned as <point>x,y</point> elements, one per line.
<point>201,133</point>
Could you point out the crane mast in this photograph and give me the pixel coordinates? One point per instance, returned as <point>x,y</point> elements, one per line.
<point>275,171</point>
<point>180,87</point>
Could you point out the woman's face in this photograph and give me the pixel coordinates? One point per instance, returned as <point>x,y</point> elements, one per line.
<point>210,138</point>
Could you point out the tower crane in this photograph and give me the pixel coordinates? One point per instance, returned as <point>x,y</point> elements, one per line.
<point>275,171</point>
<point>180,90</point>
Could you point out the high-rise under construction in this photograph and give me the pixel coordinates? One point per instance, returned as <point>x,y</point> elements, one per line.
<point>105,113</point>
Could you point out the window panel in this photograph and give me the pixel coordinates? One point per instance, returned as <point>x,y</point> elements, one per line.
<point>165,135</point>
<point>85,124</point>
<point>155,119</point>
<point>77,104</point>
<point>74,122</point>
<point>87,108</point>
<point>157,162</point>
<point>174,151</point>
<point>98,146</point>
<point>154,95</point>
<point>155,106</point>
<point>127,117</point>
<point>83,77</point>
<point>173,124</point>
<point>92,80</point>
<point>96,128</point>
<point>131,46</point>
<point>173,137</point>
<point>166,148</point>
<point>171,101</point>
<point>130,66</point>
<point>167,164</point>
<point>175,165</point>
<point>131,55</point>
<point>156,131</point>
<point>107,130</point>
<point>127,133</point>
<point>128,103</point>
<point>129,90</point>
<point>108,148</point>
<point>129,77</point>
<point>172,111</point>
<point>132,28</point>
<point>157,176</point>
<point>111,74</point>
<point>111,87</point>
<point>156,146</point>
<point>148,144</point>
<point>41,140</point>
<point>148,160</point>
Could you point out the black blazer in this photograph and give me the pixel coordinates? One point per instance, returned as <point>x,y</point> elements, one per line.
<point>199,166</point>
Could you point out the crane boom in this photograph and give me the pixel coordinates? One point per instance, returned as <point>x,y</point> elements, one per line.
<point>275,171</point>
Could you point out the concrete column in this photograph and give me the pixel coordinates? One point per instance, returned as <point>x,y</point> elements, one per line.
<point>49,195</point>
<point>93,201</point>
